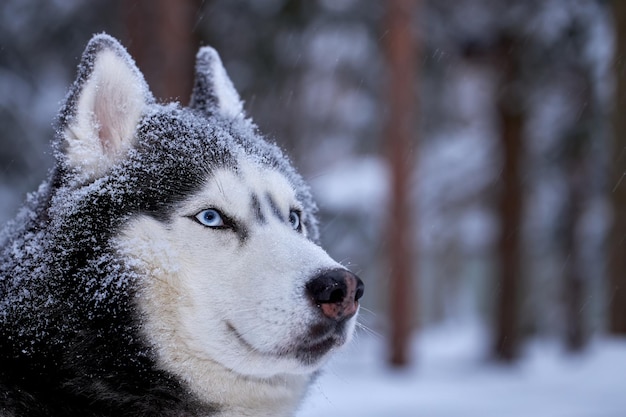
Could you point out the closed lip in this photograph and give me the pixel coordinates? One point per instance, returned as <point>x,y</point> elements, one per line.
<point>307,349</point>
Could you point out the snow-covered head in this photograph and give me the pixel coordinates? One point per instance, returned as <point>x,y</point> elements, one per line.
<point>206,224</point>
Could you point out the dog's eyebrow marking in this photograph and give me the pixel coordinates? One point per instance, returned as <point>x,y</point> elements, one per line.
<point>275,209</point>
<point>257,209</point>
<point>242,234</point>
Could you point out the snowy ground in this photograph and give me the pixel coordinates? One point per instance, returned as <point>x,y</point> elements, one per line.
<point>451,378</point>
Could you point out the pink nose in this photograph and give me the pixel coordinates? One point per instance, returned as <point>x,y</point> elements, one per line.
<point>336,293</point>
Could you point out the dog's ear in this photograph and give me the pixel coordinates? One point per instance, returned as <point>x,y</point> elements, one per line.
<point>213,91</point>
<point>98,121</point>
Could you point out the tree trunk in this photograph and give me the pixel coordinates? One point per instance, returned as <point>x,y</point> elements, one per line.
<point>401,52</point>
<point>573,280</point>
<point>510,206</point>
<point>575,152</point>
<point>617,244</point>
<point>161,39</point>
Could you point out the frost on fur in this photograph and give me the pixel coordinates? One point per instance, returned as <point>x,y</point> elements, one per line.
<point>103,108</point>
<point>114,301</point>
<point>213,91</point>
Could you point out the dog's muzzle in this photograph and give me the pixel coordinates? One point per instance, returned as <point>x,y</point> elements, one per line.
<point>336,293</point>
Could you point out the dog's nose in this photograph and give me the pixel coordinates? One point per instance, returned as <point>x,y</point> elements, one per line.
<point>336,293</point>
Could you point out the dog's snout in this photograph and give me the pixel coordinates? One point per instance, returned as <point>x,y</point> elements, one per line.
<point>336,293</point>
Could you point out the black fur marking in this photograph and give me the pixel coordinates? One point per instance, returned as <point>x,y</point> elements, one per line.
<point>70,339</point>
<point>275,209</point>
<point>236,226</point>
<point>71,345</point>
<point>242,233</point>
<point>257,209</point>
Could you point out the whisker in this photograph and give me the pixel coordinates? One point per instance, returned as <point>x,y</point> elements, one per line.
<point>369,330</point>
<point>367,310</point>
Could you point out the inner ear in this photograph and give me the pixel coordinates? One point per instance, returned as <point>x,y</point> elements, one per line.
<point>117,103</point>
<point>108,105</point>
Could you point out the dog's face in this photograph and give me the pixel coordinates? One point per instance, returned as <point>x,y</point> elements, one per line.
<point>230,277</point>
<point>229,274</point>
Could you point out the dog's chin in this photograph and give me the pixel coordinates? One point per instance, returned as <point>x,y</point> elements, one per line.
<point>320,340</point>
<point>309,350</point>
<point>313,354</point>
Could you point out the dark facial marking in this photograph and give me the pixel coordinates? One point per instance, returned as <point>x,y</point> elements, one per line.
<point>256,209</point>
<point>275,209</point>
<point>239,228</point>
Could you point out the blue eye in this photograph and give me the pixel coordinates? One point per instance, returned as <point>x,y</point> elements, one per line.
<point>294,219</point>
<point>210,218</point>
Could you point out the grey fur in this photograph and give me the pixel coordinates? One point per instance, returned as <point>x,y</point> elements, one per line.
<point>69,341</point>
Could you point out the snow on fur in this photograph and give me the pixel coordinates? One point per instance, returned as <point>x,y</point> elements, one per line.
<point>63,290</point>
<point>213,90</point>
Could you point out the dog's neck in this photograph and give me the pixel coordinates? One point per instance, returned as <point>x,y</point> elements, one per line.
<point>278,396</point>
<point>233,394</point>
<point>269,399</point>
<point>236,395</point>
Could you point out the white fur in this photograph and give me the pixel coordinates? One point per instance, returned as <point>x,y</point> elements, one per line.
<point>108,109</point>
<point>199,281</point>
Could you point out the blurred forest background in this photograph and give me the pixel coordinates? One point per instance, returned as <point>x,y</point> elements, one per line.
<point>467,155</point>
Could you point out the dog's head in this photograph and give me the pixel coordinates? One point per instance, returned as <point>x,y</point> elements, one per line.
<point>216,224</point>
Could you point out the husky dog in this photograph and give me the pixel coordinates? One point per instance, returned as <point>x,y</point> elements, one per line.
<point>170,265</point>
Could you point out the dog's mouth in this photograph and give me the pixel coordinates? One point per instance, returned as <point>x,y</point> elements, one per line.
<point>309,349</point>
<point>312,352</point>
